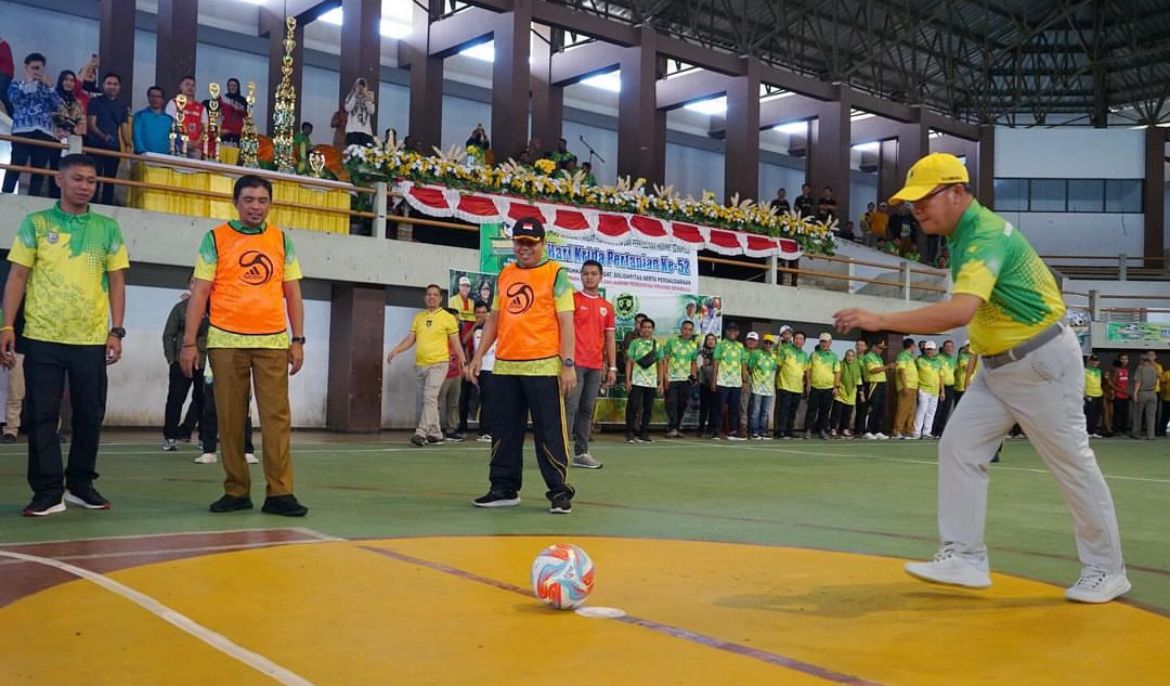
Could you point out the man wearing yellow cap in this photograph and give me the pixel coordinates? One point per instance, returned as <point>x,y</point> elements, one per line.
<point>1032,375</point>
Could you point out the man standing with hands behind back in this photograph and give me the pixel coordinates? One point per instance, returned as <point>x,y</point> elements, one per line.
<point>1032,375</point>
<point>250,272</point>
<point>68,266</point>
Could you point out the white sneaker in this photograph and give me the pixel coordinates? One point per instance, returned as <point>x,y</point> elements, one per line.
<point>948,568</point>
<point>881,436</point>
<point>484,438</point>
<point>1096,586</point>
<point>206,458</point>
<point>868,436</point>
<point>250,458</point>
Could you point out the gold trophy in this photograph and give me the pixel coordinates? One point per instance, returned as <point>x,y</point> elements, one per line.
<point>178,134</point>
<point>249,142</point>
<point>317,163</point>
<point>211,136</point>
<point>284,112</point>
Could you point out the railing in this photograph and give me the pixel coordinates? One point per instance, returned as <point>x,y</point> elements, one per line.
<point>1094,303</point>
<point>1111,267</point>
<point>383,198</point>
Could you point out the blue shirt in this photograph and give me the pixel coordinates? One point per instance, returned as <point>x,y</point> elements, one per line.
<point>33,106</point>
<point>152,131</point>
<point>110,115</point>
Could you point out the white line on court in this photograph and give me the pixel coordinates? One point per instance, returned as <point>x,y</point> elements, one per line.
<point>321,536</point>
<point>183,622</point>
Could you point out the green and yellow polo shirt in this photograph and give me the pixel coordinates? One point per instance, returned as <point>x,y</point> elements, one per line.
<point>793,365</point>
<point>730,355</point>
<point>680,354</point>
<point>905,362</point>
<point>823,366</point>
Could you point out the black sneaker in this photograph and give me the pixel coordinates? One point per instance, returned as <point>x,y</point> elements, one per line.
<point>493,499</point>
<point>432,440</point>
<point>284,505</point>
<point>87,497</point>
<point>455,437</point>
<point>645,439</point>
<point>562,503</point>
<point>418,440</point>
<point>8,438</point>
<point>42,505</point>
<point>231,503</point>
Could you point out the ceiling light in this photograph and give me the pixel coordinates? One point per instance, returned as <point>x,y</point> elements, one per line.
<point>709,106</point>
<point>394,29</point>
<point>254,2</point>
<point>792,127</point>
<point>609,81</point>
<point>872,146</point>
<point>333,16</point>
<point>860,116</point>
<point>484,52</point>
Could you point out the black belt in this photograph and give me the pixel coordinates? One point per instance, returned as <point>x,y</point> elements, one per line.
<point>1021,351</point>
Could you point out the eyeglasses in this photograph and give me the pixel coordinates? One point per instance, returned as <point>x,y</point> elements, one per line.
<point>930,195</point>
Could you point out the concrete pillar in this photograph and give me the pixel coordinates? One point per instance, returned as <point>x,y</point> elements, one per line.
<point>426,81</point>
<point>177,21</point>
<point>741,155</point>
<point>985,184</point>
<point>356,328</point>
<point>888,180</point>
<point>361,50</point>
<point>641,125</point>
<point>548,100</point>
<point>1153,200</point>
<point>510,82</point>
<point>116,46</point>
<point>828,152</point>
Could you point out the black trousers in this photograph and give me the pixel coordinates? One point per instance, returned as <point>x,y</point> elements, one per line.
<point>1121,415</point>
<point>638,408</point>
<point>25,155</point>
<point>468,401</point>
<point>678,394</point>
<point>45,368</point>
<point>945,407</point>
<point>515,397</point>
<point>842,413</point>
<point>786,407</point>
<point>820,405</point>
<point>958,397</point>
<point>875,408</point>
<point>177,390</point>
<point>1093,413</point>
<point>209,423</point>
<point>486,396</point>
<point>107,167</point>
<point>727,407</point>
<point>1163,417</point>
<point>708,399</point>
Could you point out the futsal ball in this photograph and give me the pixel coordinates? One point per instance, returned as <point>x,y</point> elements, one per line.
<point>562,576</point>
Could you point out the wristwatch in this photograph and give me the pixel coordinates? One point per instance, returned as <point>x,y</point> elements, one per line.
<point>118,332</point>
<point>298,339</point>
<point>568,362</point>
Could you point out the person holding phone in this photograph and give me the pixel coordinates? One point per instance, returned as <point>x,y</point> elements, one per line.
<point>34,103</point>
<point>359,110</point>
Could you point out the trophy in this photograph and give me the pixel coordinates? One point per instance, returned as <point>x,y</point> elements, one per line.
<point>249,142</point>
<point>317,163</point>
<point>284,112</point>
<point>211,136</point>
<point>178,134</point>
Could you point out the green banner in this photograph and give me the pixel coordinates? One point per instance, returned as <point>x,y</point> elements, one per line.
<point>1138,332</point>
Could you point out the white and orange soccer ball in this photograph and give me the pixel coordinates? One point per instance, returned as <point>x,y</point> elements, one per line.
<point>562,576</point>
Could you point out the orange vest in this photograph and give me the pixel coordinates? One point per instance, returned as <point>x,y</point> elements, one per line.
<point>528,325</point>
<point>247,295</point>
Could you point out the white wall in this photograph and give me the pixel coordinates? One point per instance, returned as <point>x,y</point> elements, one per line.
<point>692,171</point>
<point>862,191</point>
<point>774,177</point>
<point>1070,152</point>
<point>1071,233</point>
<point>604,141</point>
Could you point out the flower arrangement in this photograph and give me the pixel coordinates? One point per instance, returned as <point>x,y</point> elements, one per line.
<point>456,169</point>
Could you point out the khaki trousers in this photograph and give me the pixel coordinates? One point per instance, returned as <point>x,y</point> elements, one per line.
<point>15,397</point>
<point>904,414</point>
<point>237,369</point>
<point>430,381</point>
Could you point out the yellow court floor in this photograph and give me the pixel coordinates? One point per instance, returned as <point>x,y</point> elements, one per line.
<point>457,610</point>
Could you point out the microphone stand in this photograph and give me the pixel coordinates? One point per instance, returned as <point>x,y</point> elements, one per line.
<point>592,153</point>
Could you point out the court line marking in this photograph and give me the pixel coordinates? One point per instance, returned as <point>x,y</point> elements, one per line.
<point>675,632</point>
<point>175,618</point>
<point>307,532</point>
<point>227,547</point>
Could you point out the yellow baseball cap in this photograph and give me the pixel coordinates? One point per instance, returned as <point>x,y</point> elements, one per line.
<point>936,169</point>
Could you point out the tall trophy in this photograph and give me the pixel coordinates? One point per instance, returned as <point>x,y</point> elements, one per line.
<point>178,134</point>
<point>249,141</point>
<point>317,164</point>
<point>284,114</point>
<point>211,136</point>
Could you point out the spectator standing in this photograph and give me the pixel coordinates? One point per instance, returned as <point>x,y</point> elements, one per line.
<point>826,206</point>
<point>68,267</point>
<point>906,377</point>
<point>302,146</point>
<point>1165,394</point>
<point>866,224</point>
<point>645,376</point>
<point>15,398</point>
<point>860,350</point>
<point>681,353</point>
<point>192,118</point>
<point>208,418</point>
<point>846,394</point>
<point>449,393</point>
<point>762,367</point>
<point>359,115</point>
<point>468,393</point>
<point>565,160</point>
<point>594,356</point>
<point>751,344</point>
<point>107,130</point>
<point>33,103</point>
<point>966,366</point>
<point>533,322</point>
<point>879,223</point>
<point>249,271</point>
<point>1118,382</point>
<point>590,178</point>
<point>233,107</point>
<point>152,125</point>
<point>946,400</point>
<point>1093,395</point>
<point>824,375</point>
<point>728,377</point>
<point>781,204</point>
<point>484,388</point>
<point>930,389</point>
<point>180,384</point>
<point>1145,396</point>
<point>434,330</point>
<point>707,397</point>
<point>873,363</point>
<point>805,204</point>
<point>791,381</point>
<point>7,72</point>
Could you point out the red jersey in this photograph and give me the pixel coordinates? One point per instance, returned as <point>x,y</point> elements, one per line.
<point>1121,384</point>
<point>592,317</point>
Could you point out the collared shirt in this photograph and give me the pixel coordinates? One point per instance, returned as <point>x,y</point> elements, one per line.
<point>929,374</point>
<point>1093,382</point>
<point>730,355</point>
<point>993,261</point>
<point>152,131</point>
<point>948,369</point>
<point>961,370</point>
<point>680,354</point>
<point>905,362</point>
<point>762,365</point>
<point>592,317</point>
<point>793,364</point>
<point>645,377</point>
<point>69,256</point>
<point>33,107</point>
<point>870,360</point>
<point>109,116</point>
<point>432,330</point>
<point>823,366</point>
<point>205,271</point>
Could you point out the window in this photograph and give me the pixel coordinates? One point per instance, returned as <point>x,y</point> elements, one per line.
<point>1123,195</point>
<point>1011,195</point>
<point>1110,196</point>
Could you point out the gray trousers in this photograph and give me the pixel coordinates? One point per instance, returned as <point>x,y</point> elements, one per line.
<point>1044,393</point>
<point>1145,411</point>
<point>579,407</point>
